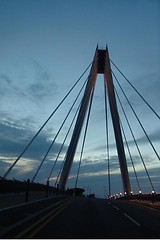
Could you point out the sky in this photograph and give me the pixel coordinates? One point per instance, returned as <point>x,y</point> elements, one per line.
<point>45,46</point>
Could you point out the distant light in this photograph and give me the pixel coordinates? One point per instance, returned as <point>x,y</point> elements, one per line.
<point>125,193</point>
<point>140,191</point>
<point>153,192</point>
<point>131,192</point>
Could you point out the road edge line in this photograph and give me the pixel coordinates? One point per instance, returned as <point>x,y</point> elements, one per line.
<point>130,218</point>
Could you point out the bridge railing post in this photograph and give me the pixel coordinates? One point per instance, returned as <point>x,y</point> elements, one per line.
<point>57,190</point>
<point>27,190</point>
<point>47,188</point>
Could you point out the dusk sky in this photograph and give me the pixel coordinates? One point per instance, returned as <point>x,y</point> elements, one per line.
<point>45,45</point>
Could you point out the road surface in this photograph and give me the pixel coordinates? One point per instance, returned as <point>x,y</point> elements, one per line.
<point>93,218</point>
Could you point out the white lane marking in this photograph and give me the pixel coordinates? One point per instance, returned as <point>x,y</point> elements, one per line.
<point>116,207</point>
<point>126,215</point>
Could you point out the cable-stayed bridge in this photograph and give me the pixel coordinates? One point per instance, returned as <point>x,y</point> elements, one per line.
<point>75,130</point>
<point>113,106</point>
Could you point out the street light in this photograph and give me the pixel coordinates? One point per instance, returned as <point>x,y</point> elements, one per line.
<point>153,193</point>
<point>140,192</point>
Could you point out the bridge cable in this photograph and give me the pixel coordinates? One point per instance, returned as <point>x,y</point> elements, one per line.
<point>57,179</point>
<point>137,118</point>
<point>67,134</point>
<point>53,141</point>
<point>135,89</point>
<point>66,152</point>
<point>30,142</point>
<point>137,145</point>
<point>129,152</point>
<point>62,146</point>
<point>107,139</point>
<point>84,138</point>
<point>63,142</point>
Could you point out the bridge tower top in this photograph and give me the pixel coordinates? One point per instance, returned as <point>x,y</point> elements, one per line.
<point>101,61</point>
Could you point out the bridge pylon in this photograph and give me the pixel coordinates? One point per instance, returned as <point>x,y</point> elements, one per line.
<point>100,65</point>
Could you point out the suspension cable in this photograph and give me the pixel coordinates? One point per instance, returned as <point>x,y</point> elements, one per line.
<point>84,138</point>
<point>59,131</point>
<point>14,163</point>
<point>137,118</point>
<point>59,172</point>
<point>134,169</point>
<point>136,90</point>
<point>63,143</point>
<point>62,165</point>
<point>106,118</point>
<point>66,152</point>
<point>137,146</point>
<point>64,157</point>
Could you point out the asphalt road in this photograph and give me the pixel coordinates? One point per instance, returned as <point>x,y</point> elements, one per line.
<point>94,218</point>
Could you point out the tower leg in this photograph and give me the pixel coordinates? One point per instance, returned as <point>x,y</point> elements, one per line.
<point>78,126</point>
<point>116,126</point>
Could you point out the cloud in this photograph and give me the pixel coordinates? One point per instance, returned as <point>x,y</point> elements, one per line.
<point>44,85</point>
<point>154,137</point>
<point>96,167</point>
<point>6,78</point>
<point>17,90</point>
<point>14,138</point>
